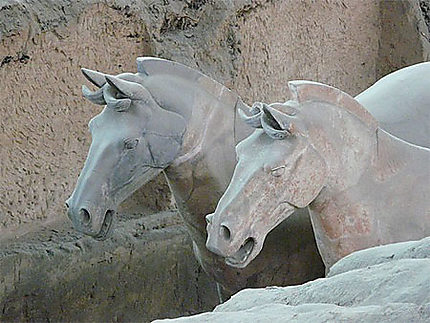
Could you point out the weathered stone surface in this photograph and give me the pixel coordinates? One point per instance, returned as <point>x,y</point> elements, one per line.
<point>44,117</point>
<point>393,291</point>
<point>314,313</point>
<point>399,281</point>
<point>147,269</point>
<point>403,250</point>
<point>347,44</point>
<point>395,34</point>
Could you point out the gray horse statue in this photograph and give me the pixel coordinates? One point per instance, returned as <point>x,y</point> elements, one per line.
<point>170,118</point>
<point>364,182</point>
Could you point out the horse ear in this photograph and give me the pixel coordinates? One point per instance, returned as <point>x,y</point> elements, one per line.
<point>276,124</point>
<point>97,78</point>
<point>131,90</point>
<point>307,178</point>
<point>95,97</point>
<point>255,119</point>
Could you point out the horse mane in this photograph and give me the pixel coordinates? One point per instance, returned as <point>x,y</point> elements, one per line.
<point>155,66</point>
<point>303,91</point>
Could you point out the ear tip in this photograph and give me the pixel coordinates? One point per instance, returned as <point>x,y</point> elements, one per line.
<point>94,77</point>
<point>85,71</point>
<point>112,80</point>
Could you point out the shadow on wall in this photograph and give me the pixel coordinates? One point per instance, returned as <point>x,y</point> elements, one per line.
<point>404,38</point>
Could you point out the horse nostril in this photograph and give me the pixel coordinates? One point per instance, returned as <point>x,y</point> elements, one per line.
<point>67,203</point>
<point>209,218</point>
<point>225,232</point>
<point>84,215</point>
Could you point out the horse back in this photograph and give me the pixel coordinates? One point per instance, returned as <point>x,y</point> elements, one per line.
<point>400,102</point>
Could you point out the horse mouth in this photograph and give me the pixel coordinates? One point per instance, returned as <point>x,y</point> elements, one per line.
<point>106,226</point>
<point>240,258</point>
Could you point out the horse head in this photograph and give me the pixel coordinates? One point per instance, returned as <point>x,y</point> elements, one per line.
<point>322,138</point>
<point>258,199</point>
<point>133,139</point>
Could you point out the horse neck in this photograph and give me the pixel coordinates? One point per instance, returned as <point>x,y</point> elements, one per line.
<point>395,155</point>
<point>203,169</point>
<point>352,149</point>
<point>346,144</point>
<point>367,168</point>
<point>200,175</point>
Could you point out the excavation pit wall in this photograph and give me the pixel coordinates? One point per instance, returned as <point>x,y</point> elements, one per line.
<point>254,47</point>
<point>146,268</point>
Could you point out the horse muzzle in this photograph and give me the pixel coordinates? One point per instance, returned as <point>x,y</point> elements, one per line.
<point>90,220</point>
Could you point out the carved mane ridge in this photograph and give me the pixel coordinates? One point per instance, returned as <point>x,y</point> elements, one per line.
<point>303,91</point>
<point>157,66</point>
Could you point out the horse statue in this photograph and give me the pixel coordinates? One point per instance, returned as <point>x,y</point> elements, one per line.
<point>172,119</point>
<point>322,150</point>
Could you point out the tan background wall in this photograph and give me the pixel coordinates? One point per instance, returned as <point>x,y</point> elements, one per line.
<point>346,44</point>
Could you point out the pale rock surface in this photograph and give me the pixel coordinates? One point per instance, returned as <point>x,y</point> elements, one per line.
<point>394,312</point>
<point>382,284</point>
<point>399,281</point>
<point>382,254</point>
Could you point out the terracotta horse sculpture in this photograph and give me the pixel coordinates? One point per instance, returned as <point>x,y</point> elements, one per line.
<point>172,119</point>
<point>323,150</point>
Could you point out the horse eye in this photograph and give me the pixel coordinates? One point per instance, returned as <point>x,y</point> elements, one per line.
<point>277,171</point>
<point>131,143</point>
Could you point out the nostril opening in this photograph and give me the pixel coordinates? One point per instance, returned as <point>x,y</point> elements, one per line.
<point>67,205</point>
<point>84,216</point>
<point>225,232</point>
<point>209,218</point>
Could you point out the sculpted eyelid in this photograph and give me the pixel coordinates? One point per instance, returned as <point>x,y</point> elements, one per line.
<point>279,167</point>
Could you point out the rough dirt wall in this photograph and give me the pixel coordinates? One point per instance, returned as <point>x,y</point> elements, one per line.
<point>346,44</point>
<point>404,37</point>
<point>146,271</point>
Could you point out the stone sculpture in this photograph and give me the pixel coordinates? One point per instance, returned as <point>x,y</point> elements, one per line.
<point>172,119</point>
<point>323,150</point>
<point>389,283</point>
